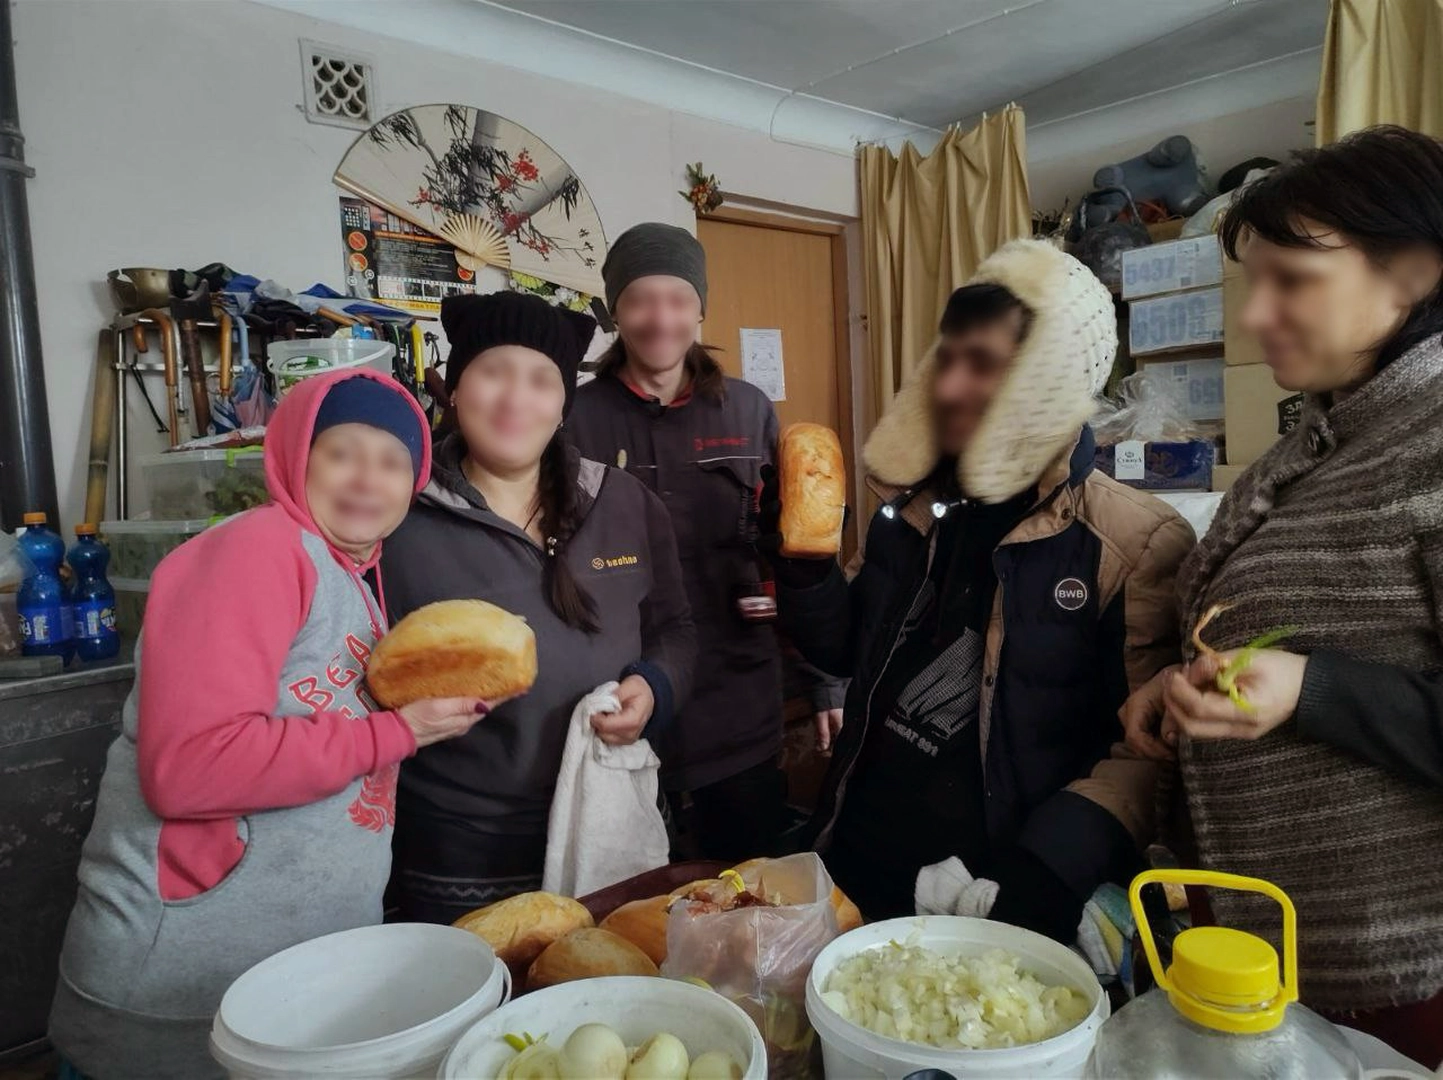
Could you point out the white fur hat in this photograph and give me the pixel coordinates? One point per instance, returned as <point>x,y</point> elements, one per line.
<point>1060,367</point>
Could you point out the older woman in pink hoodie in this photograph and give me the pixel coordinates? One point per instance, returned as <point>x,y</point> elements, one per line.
<point>248,803</point>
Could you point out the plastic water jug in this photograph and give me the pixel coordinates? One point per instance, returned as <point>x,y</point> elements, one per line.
<point>92,598</point>
<point>1222,1008</point>
<point>45,617</point>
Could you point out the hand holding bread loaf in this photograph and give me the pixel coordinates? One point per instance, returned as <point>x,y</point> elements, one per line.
<point>813,491</point>
<point>454,649</point>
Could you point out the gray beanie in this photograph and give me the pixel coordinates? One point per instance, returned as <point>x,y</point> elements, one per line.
<point>654,248</point>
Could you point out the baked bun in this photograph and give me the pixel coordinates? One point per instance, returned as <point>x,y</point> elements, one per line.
<point>643,923</point>
<point>454,648</point>
<point>754,874</point>
<point>813,483</point>
<point>519,928</point>
<point>588,954</point>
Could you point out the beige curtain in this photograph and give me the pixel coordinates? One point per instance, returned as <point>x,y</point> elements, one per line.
<point>926,224</point>
<point>1382,64</point>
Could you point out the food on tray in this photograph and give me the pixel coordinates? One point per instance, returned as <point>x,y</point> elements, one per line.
<point>596,1052</point>
<point>813,484</point>
<point>643,923</point>
<point>520,928</point>
<point>587,954</point>
<point>955,1002</point>
<point>454,648</point>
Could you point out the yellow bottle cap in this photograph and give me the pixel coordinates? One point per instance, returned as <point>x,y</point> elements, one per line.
<point>1226,980</point>
<point>87,529</point>
<point>33,519</point>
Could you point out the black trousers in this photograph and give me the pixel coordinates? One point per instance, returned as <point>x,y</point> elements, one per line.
<point>732,820</point>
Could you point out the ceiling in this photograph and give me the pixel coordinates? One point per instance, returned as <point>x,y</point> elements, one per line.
<point>935,62</point>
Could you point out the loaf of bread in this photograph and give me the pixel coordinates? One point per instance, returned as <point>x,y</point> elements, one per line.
<point>813,486</point>
<point>643,923</point>
<point>520,928</point>
<point>588,954</point>
<point>454,648</point>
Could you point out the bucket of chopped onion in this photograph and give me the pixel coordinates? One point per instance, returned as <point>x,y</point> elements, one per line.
<point>968,996</point>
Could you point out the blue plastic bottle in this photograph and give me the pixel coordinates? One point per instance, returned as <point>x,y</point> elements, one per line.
<point>45,615</point>
<point>93,599</point>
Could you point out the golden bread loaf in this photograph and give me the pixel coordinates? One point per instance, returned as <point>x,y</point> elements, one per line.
<point>643,923</point>
<point>519,928</point>
<point>588,954</point>
<point>454,648</point>
<point>813,486</point>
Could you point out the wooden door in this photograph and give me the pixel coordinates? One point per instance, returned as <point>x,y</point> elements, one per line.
<point>768,272</point>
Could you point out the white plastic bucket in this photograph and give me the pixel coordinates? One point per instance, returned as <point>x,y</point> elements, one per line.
<point>637,1007</point>
<point>292,361</point>
<point>850,1051</point>
<point>379,1001</point>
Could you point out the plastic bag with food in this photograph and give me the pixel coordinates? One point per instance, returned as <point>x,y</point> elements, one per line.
<point>752,936</point>
<point>1147,411</point>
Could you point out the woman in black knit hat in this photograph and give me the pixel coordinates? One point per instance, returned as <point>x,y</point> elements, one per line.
<point>583,552</point>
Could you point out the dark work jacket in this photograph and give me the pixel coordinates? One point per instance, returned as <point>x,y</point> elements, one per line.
<point>703,458</point>
<point>1084,612</point>
<point>499,776</point>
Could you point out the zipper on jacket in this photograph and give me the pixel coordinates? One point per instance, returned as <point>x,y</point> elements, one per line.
<point>825,834</point>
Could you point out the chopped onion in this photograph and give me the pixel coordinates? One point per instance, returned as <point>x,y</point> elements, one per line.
<point>954,1002</point>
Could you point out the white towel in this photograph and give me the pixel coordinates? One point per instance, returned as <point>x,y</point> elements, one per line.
<point>605,825</point>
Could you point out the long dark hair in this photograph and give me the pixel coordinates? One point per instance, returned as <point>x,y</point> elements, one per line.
<point>557,494</point>
<point>1381,189</point>
<point>707,378</point>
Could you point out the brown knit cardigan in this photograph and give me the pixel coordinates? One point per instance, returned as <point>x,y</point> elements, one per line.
<point>1337,530</point>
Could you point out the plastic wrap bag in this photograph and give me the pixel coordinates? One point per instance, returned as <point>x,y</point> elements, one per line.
<point>13,568</point>
<point>759,956</point>
<point>1147,412</point>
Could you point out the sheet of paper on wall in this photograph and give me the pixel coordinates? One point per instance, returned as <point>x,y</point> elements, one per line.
<point>762,362</point>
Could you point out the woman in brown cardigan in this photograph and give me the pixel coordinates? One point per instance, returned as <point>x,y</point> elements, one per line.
<point>1331,785</point>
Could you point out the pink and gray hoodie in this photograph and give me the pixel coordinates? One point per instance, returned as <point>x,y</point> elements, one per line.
<point>249,801</point>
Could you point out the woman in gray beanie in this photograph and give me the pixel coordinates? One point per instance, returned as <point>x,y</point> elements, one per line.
<point>662,408</point>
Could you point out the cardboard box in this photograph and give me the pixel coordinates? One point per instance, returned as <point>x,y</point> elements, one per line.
<point>1159,466</point>
<point>1184,320</point>
<point>1164,268</point>
<point>1196,383</point>
<point>1258,412</point>
<point>1224,476</point>
<point>1239,347</point>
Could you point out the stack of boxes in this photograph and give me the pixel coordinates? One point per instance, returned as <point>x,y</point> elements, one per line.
<point>1175,334</point>
<point>1258,411</point>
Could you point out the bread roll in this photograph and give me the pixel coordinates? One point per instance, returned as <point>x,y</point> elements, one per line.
<point>520,928</point>
<point>587,954</point>
<point>455,648</point>
<point>813,485</point>
<point>753,873</point>
<point>643,923</point>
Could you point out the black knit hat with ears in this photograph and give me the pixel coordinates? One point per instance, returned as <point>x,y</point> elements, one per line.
<point>474,324</point>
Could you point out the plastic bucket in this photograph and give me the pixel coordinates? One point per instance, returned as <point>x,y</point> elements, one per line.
<point>854,1052</point>
<point>292,361</point>
<point>637,1008</point>
<point>380,1001</point>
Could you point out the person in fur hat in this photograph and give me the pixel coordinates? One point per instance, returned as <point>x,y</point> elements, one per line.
<point>971,776</point>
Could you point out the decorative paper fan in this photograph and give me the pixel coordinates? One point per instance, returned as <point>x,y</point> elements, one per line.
<point>478,243</point>
<point>486,185</point>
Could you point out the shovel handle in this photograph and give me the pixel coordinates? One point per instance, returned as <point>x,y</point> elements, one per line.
<point>225,354</point>
<point>195,373</point>
<point>168,347</point>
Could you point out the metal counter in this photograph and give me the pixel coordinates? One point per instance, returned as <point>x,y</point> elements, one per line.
<point>54,733</point>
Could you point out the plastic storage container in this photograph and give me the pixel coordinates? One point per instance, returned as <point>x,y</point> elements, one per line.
<point>130,597</point>
<point>190,484</point>
<point>379,1001</point>
<point>637,1008</point>
<point>136,547</point>
<point>1222,1008</point>
<point>292,361</point>
<point>851,1051</point>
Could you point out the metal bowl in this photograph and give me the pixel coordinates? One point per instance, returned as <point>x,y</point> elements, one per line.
<point>136,288</point>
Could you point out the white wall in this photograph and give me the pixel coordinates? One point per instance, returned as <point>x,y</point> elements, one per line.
<point>1265,131</point>
<point>171,134</point>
